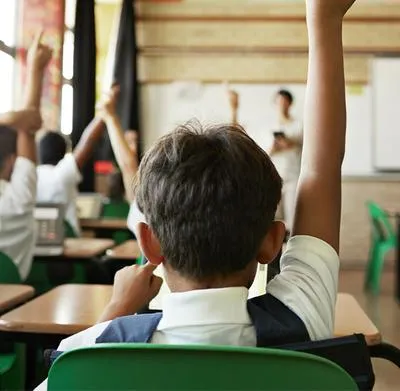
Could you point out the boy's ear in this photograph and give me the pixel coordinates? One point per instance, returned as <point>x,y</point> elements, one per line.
<point>272,243</point>
<point>149,244</point>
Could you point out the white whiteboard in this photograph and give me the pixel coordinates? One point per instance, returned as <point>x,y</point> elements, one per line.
<point>386,113</point>
<point>165,106</point>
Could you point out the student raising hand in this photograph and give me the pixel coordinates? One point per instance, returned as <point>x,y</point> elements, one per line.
<point>126,156</point>
<point>328,8</point>
<point>27,120</point>
<point>318,206</point>
<point>39,56</point>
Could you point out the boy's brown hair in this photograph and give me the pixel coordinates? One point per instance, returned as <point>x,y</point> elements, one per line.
<point>209,195</point>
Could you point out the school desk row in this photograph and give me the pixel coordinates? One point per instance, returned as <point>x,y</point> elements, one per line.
<point>68,309</point>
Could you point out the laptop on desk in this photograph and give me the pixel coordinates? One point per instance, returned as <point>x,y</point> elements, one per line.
<point>89,205</point>
<point>49,220</point>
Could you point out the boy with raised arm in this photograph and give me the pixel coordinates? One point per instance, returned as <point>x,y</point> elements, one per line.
<point>209,197</point>
<point>18,165</point>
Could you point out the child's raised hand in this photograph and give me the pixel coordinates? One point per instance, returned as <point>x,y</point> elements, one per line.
<point>39,55</point>
<point>25,120</point>
<point>328,8</point>
<point>108,105</point>
<point>134,287</point>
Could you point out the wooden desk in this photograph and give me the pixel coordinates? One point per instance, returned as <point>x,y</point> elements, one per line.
<point>69,309</point>
<point>107,224</point>
<point>12,295</point>
<point>126,251</point>
<point>86,247</point>
<point>66,310</point>
<point>351,319</point>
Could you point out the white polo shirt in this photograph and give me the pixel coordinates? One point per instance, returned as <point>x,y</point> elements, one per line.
<point>307,285</point>
<point>17,225</point>
<point>288,162</point>
<point>59,184</point>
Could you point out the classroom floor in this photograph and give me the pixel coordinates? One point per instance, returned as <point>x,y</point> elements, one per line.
<point>385,313</point>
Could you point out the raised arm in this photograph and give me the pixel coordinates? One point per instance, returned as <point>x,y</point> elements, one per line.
<point>127,160</point>
<point>234,105</point>
<point>39,55</point>
<point>85,147</point>
<point>318,206</point>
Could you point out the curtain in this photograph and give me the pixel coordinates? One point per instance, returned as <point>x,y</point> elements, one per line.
<point>84,80</point>
<point>125,74</point>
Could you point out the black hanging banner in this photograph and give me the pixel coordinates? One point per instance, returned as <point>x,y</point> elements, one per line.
<point>125,74</point>
<point>84,80</point>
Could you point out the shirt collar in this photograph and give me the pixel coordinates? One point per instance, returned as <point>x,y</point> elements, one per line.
<point>205,307</point>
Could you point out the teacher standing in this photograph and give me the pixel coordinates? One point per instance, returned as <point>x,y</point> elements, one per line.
<point>285,151</point>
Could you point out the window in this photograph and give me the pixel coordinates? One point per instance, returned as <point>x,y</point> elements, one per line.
<point>68,68</point>
<point>8,16</point>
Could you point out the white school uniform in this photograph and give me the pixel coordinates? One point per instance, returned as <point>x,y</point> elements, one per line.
<point>307,285</point>
<point>59,184</point>
<point>17,225</point>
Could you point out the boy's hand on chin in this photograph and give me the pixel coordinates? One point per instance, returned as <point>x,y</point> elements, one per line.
<point>134,287</point>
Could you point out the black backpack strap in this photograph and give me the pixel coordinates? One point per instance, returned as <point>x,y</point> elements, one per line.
<point>350,353</point>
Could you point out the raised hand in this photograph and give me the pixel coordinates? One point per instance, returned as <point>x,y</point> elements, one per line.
<point>25,120</point>
<point>108,105</point>
<point>39,55</point>
<point>233,99</point>
<point>328,8</point>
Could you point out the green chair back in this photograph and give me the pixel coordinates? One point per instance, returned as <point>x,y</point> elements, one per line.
<point>69,231</point>
<point>381,227</point>
<point>142,367</point>
<point>116,210</point>
<point>9,273</point>
<point>383,239</point>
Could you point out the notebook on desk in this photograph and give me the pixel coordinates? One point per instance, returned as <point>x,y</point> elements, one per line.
<point>49,220</point>
<point>89,205</point>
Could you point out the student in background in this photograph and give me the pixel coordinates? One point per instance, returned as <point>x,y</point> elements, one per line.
<point>59,172</point>
<point>18,165</point>
<point>286,152</point>
<point>210,196</point>
<point>124,145</point>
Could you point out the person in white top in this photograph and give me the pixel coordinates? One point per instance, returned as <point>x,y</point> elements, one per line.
<point>18,165</point>
<point>59,173</point>
<point>209,197</point>
<point>286,152</point>
<point>286,148</point>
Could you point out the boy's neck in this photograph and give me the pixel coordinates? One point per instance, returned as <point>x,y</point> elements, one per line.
<point>178,283</point>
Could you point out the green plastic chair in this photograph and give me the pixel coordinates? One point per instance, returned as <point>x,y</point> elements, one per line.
<point>69,231</point>
<point>117,210</point>
<point>383,239</point>
<point>12,364</point>
<point>9,273</point>
<point>142,367</point>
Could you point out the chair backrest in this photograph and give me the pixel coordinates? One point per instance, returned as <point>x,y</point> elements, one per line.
<point>116,210</point>
<point>170,367</point>
<point>69,231</point>
<point>381,226</point>
<point>8,271</point>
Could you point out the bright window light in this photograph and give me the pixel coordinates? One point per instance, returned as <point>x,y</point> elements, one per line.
<point>68,55</point>
<point>6,81</point>
<point>8,16</point>
<point>66,109</point>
